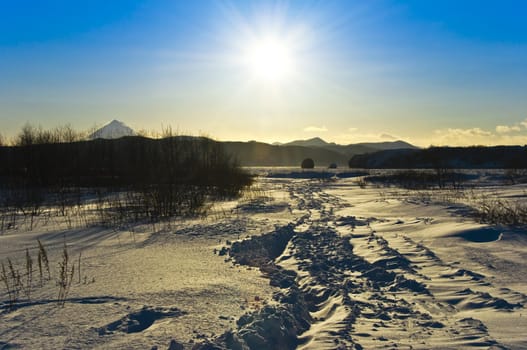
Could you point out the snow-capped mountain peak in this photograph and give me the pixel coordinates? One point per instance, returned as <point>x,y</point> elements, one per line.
<point>113,130</point>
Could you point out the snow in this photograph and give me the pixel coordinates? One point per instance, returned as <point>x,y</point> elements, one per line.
<point>379,267</point>
<point>113,130</point>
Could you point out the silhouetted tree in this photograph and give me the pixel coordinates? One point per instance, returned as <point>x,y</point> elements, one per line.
<point>26,136</point>
<point>308,163</point>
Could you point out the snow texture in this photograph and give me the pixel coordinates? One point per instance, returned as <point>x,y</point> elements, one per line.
<point>302,264</point>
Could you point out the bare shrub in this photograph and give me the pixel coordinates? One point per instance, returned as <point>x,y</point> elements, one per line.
<point>15,281</point>
<point>516,176</point>
<point>6,278</point>
<point>501,212</point>
<point>420,179</point>
<point>79,266</point>
<point>29,274</point>
<point>65,277</point>
<point>43,261</point>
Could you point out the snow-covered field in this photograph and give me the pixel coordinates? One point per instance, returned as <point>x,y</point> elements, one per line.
<point>332,263</point>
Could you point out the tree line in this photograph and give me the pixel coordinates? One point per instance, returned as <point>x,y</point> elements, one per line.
<point>155,178</point>
<point>474,157</point>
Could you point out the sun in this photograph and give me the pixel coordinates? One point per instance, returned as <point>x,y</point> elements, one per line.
<point>269,59</point>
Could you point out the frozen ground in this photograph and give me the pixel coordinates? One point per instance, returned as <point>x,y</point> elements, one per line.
<point>324,264</point>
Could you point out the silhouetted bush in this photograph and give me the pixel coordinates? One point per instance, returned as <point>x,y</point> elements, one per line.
<point>136,177</point>
<point>422,179</point>
<point>308,163</point>
<point>30,135</point>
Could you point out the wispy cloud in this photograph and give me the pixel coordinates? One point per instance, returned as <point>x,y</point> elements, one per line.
<point>524,123</point>
<point>315,129</point>
<point>504,135</point>
<point>505,129</point>
<point>463,137</point>
<point>387,137</point>
<point>353,136</point>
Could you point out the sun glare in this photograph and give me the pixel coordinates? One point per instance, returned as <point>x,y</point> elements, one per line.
<point>269,59</point>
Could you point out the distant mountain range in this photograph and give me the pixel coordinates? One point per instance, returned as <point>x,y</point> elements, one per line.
<point>318,142</point>
<point>253,153</point>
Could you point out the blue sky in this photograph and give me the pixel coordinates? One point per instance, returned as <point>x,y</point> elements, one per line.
<point>429,72</point>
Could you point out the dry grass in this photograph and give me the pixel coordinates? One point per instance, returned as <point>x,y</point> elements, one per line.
<point>16,282</point>
<point>487,206</point>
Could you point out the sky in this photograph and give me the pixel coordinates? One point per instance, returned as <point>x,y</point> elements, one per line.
<point>428,72</point>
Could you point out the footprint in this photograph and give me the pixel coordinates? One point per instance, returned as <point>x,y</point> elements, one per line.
<point>140,320</point>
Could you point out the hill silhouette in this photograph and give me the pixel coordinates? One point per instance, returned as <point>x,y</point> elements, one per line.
<point>255,153</point>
